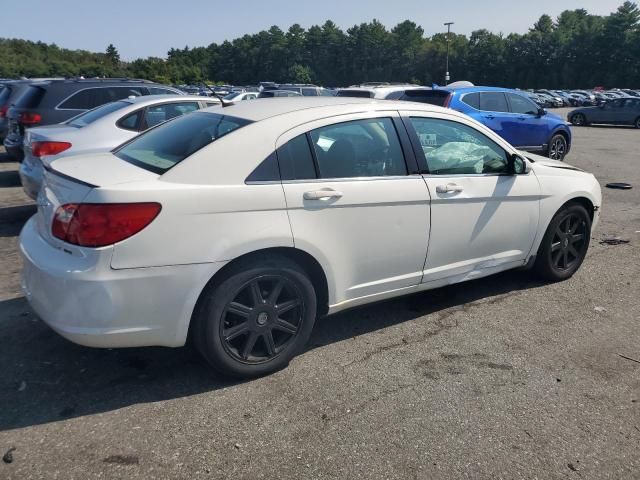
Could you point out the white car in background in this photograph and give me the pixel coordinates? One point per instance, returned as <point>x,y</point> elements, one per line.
<point>240,96</point>
<point>102,128</point>
<point>238,227</point>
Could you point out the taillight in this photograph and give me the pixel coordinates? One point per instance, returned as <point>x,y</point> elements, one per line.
<point>42,149</point>
<point>3,111</point>
<point>100,224</point>
<point>30,118</point>
<point>447,101</point>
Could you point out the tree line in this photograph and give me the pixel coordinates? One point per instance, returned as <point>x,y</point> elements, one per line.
<point>577,49</point>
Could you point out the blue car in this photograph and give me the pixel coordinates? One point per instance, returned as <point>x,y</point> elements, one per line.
<point>509,113</point>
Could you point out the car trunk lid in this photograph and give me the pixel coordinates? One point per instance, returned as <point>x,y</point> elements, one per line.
<point>71,179</point>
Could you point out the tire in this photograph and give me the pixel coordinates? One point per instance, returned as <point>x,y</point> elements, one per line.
<point>579,120</point>
<point>558,147</point>
<point>564,245</point>
<point>256,318</point>
<point>637,123</point>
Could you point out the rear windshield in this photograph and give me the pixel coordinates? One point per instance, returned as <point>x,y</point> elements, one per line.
<point>433,97</point>
<point>92,115</point>
<point>355,93</point>
<point>30,98</point>
<point>170,143</point>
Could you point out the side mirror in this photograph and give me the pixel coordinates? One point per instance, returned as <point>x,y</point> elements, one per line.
<point>518,165</point>
<point>542,112</point>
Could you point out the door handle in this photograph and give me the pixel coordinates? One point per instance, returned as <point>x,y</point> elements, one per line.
<point>321,194</point>
<point>449,188</point>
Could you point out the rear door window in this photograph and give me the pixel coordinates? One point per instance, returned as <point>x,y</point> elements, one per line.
<point>89,98</point>
<point>161,148</point>
<point>360,148</point>
<point>493,102</point>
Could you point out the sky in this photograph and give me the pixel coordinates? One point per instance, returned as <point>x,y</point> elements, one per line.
<point>142,28</point>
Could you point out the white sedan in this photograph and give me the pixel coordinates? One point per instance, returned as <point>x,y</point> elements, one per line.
<point>239,227</point>
<point>100,129</point>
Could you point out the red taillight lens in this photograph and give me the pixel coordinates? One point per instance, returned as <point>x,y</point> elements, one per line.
<point>100,224</point>
<point>29,118</point>
<point>447,101</point>
<point>3,111</point>
<point>42,149</point>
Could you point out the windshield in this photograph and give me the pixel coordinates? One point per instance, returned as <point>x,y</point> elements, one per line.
<point>91,116</point>
<point>170,143</point>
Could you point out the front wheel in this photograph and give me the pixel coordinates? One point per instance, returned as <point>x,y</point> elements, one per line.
<point>557,147</point>
<point>578,119</point>
<point>564,244</point>
<point>257,318</point>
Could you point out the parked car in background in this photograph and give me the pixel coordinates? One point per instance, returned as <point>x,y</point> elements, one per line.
<point>509,113</point>
<point>9,92</point>
<point>621,111</point>
<point>54,101</point>
<point>554,99</point>
<point>382,91</point>
<point>239,226</point>
<point>240,96</point>
<point>100,129</point>
<point>307,90</point>
<point>278,93</point>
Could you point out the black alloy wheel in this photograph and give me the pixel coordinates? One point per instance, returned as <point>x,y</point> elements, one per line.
<point>255,316</point>
<point>565,243</point>
<point>262,319</point>
<point>558,147</point>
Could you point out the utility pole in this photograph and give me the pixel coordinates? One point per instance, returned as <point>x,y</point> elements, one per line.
<point>447,77</point>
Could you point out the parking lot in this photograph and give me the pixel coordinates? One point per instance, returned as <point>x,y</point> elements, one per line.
<point>503,377</point>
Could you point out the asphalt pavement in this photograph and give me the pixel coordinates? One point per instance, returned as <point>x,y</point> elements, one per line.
<point>504,377</point>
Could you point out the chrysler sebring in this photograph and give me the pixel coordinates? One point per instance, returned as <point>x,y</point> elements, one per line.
<point>237,228</point>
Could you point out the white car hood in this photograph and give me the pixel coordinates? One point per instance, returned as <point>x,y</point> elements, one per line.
<point>540,161</point>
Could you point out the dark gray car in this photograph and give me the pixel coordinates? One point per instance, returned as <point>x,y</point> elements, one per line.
<point>621,111</point>
<point>55,101</point>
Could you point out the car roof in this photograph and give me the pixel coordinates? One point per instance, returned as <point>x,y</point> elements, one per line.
<point>264,108</point>
<point>478,88</point>
<point>144,100</point>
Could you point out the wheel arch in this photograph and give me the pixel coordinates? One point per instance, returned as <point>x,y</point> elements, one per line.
<point>304,259</point>
<point>581,199</point>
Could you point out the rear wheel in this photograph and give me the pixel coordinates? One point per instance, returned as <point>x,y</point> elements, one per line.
<point>557,147</point>
<point>257,318</point>
<point>578,119</point>
<point>565,243</point>
<point>637,123</point>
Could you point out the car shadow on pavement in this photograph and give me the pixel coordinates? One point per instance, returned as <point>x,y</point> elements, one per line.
<point>9,178</point>
<point>45,378</point>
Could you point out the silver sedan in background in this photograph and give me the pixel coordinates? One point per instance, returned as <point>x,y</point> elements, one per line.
<point>100,129</point>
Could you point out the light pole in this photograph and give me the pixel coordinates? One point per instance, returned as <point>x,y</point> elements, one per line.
<point>447,77</point>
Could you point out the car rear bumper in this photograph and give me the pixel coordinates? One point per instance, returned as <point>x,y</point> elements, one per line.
<point>86,301</point>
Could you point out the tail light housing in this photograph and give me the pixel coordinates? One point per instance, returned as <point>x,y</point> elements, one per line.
<point>30,118</point>
<point>101,224</point>
<point>3,111</point>
<point>42,149</point>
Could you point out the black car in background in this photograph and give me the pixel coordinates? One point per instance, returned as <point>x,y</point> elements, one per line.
<point>55,101</point>
<point>621,111</point>
<point>10,90</point>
